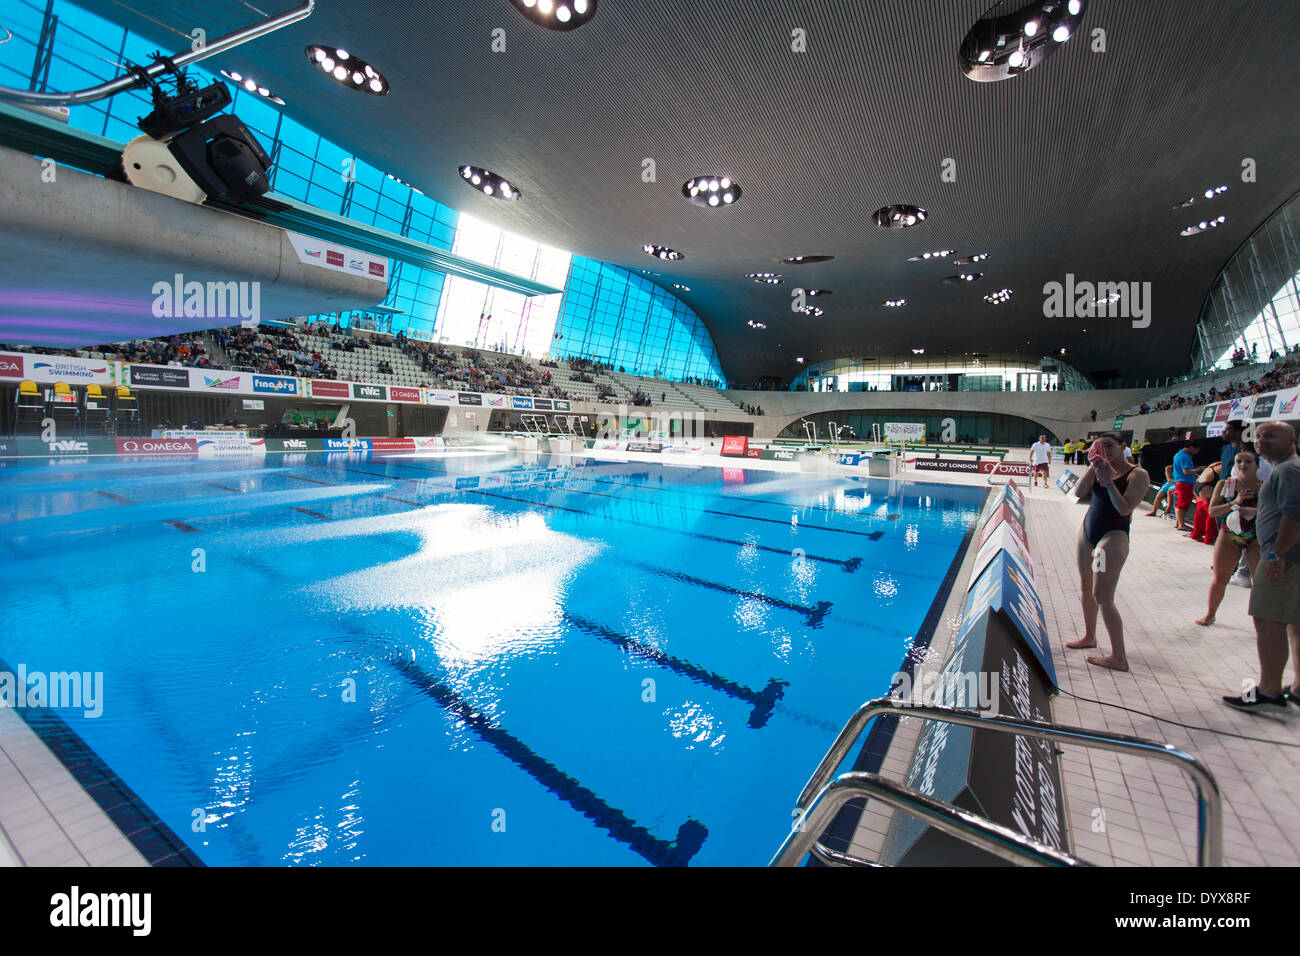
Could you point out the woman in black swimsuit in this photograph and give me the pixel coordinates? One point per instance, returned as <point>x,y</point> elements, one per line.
<point>1117,487</point>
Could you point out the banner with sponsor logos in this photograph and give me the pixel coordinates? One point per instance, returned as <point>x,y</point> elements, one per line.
<point>469,398</point>
<point>1005,586</point>
<point>543,404</point>
<point>275,384</point>
<point>376,393</point>
<point>157,446</point>
<point>645,446</point>
<point>324,388</point>
<point>160,375</point>
<point>1274,405</point>
<point>294,444</point>
<point>392,444</point>
<point>218,380</point>
<point>199,433</point>
<point>1002,539</point>
<point>336,258</point>
<point>345,444</point>
<point>397,393</point>
<point>904,431</point>
<point>58,368</point>
<point>519,401</point>
<point>735,445</point>
<point>440,396</point>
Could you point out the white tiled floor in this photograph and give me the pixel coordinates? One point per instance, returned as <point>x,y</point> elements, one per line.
<point>1127,810</point>
<point>46,818</point>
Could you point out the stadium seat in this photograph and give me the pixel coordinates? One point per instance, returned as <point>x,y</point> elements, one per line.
<point>126,413</point>
<point>65,407</point>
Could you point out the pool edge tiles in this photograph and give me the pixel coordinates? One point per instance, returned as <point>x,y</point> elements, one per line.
<point>839,835</point>
<point>137,824</point>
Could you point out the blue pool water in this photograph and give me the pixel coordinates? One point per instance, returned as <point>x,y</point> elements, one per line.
<point>465,659</point>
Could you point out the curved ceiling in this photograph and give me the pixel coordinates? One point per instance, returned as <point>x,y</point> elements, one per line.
<point>1073,167</point>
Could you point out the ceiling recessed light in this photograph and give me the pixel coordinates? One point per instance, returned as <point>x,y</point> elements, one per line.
<point>662,252</point>
<point>1205,225</point>
<point>328,59</point>
<point>489,183</point>
<point>970,260</point>
<point>805,260</point>
<point>813,292</point>
<point>755,325</point>
<point>997,298</point>
<point>812,310</point>
<point>962,278</point>
<point>557,14</point>
<point>926,256</point>
<point>894,303</point>
<point>898,216</point>
<point>1210,193</point>
<point>769,280</point>
<point>711,192</point>
<point>1012,38</point>
<point>684,288</point>
<point>762,275</point>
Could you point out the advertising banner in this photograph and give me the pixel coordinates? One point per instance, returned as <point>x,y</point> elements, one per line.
<point>645,446</point>
<point>439,396</point>
<point>735,445</point>
<point>378,393</point>
<point>521,402</point>
<point>543,404</point>
<point>159,375</point>
<point>779,454</point>
<point>494,401</point>
<point>1275,405</point>
<point>562,405</point>
<point>199,434</point>
<point>1004,586</point>
<point>1286,403</point>
<point>1002,514</point>
<point>275,384</point>
<point>848,458</point>
<point>217,380</point>
<point>61,448</point>
<point>1001,539</point>
<point>947,464</point>
<point>398,394</point>
<point>157,446</point>
<point>1207,415</point>
<point>230,444</point>
<point>469,398</point>
<point>392,444</point>
<point>60,368</point>
<point>336,258</point>
<point>12,365</point>
<point>904,431</point>
<point>254,405</point>
<point>1222,411</point>
<point>294,444</point>
<point>321,388</point>
<point>345,444</point>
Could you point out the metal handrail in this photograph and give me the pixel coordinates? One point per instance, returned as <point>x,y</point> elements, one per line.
<point>1209,802</point>
<point>1001,841</point>
<point>131,80</point>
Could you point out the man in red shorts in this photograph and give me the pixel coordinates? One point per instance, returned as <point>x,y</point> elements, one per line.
<point>1040,455</point>
<point>1184,483</point>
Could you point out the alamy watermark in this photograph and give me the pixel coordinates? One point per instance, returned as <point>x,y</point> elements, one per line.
<point>1086,300</point>
<point>207,300</point>
<point>976,690</point>
<point>68,690</point>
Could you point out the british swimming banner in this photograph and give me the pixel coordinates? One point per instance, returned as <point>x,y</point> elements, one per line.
<point>1001,540</point>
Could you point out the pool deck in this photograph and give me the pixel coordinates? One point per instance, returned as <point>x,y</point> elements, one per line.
<point>1178,673</point>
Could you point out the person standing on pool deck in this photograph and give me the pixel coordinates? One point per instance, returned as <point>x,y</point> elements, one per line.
<point>1040,454</point>
<point>1116,488</point>
<point>1275,590</point>
<point>1184,482</point>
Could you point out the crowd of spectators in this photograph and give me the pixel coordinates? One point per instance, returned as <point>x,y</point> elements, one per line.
<point>1283,374</point>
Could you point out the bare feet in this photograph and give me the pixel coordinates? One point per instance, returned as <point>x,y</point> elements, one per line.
<point>1083,642</point>
<point>1110,662</point>
<point>1205,621</point>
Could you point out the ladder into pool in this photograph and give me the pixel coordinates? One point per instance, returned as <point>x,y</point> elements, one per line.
<point>822,797</point>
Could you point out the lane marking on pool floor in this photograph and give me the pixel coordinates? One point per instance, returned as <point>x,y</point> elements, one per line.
<point>763,701</point>
<point>848,565</point>
<point>690,835</point>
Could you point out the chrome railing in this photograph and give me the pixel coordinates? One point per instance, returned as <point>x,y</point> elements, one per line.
<point>1209,802</point>
<point>968,827</point>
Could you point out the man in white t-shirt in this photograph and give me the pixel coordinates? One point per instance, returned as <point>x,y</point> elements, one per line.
<point>1040,454</point>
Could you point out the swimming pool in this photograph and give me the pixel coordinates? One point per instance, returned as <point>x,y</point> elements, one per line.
<point>465,659</point>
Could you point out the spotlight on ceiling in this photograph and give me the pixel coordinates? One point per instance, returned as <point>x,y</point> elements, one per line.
<point>557,14</point>
<point>812,292</point>
<point>711,192</point>
<point>1012,38</point>
<point>1205,225</point>
<point>662,252</point>
<point>926,256</point>
<point>898,216</point>
<point>755,325</point>
<point>218,153</point>
<point>489,183</point>
<point>812,310</point>
<point>1210,193</point>
<point>251,85</point>
<point>997,298</point>
<point>684,288</point>
<point>970,260</point>
<point>349,69</point>
<point>805,260</point>
<point>894,303</point>
<point>962,278</point>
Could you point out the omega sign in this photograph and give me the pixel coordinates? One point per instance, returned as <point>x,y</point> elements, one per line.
<point>147,446</point>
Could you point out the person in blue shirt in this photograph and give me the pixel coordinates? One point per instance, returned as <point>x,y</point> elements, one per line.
<point>1184,482</point>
